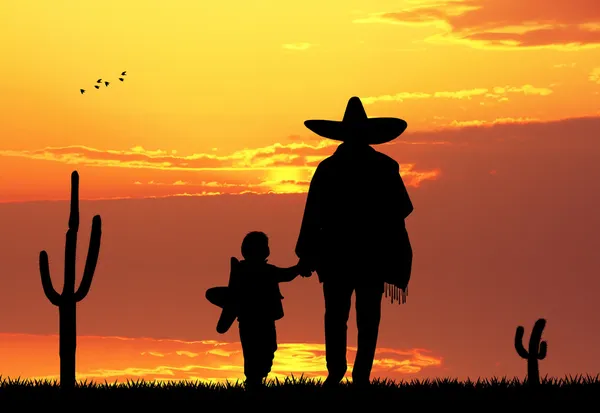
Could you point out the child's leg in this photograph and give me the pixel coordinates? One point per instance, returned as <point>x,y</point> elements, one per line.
<point>268,346</point>
<point>251,350</point>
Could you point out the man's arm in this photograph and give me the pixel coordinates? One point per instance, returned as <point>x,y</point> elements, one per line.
<point>311,222</point>
<point>402,199</point>
<point>404,207</point>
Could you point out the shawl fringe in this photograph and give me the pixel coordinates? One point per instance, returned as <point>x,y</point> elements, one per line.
<point>393,292</point>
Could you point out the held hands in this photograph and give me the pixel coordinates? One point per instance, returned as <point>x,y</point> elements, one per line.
<point>304,269</point>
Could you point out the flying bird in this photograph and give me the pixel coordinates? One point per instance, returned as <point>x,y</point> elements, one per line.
<point>99,81</point>
<point>121,79</point>
<point>82,91</point>
<point>107,83</point>
<point>97,87</point>
<point>124,73</point>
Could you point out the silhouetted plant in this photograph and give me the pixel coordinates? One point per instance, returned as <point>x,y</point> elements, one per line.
<point>68,299</point>
<point>537,350</point>
<point>292,388</point>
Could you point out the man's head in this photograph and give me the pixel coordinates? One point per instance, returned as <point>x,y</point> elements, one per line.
<point>255,246</point>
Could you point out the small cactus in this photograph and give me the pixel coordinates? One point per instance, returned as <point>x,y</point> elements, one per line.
<point>68,299</point>
<point>537,350</point>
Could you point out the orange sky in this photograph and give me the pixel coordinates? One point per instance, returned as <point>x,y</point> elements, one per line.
<point>502,99</point>
<point>120,358</point>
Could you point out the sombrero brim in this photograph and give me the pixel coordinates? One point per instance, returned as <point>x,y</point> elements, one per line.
<point>221,297</point>
<point>371,131</point>
<point>218,296</point>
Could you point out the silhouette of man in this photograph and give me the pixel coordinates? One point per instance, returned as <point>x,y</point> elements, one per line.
<point>353,233</point>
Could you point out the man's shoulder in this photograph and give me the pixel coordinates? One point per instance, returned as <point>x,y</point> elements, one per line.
<point>326,167</point>
<point>327,162</point>
<point>386,160</point>
<point>332,162</point>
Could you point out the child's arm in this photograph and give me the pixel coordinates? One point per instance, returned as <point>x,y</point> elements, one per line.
<point>283,275</point>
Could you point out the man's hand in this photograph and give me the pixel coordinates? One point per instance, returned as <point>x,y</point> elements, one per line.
<point>305,271</point>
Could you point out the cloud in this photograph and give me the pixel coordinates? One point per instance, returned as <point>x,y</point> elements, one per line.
<point>274,169</point>
<point>595,75</point>
<point>297,46</point>
<point>278,168</point>
<point>499,121</point>
<point>120,358</point>
<point>503,24</point>
<point>497,93</point>
<point>564,65</point>
<point>299,155</point>
<point>207,188</point>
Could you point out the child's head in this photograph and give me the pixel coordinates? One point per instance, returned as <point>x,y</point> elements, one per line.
<point>255,246</point>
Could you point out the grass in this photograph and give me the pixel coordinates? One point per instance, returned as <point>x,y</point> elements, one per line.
<point>302,389</point>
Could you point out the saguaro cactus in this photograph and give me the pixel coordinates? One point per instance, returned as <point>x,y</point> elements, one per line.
<point>68,299</point>
<point>537,350</point>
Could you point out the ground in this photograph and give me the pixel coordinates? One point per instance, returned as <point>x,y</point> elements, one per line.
<point>380,393</point>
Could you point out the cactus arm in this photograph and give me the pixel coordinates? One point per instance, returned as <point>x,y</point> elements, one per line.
<point>519,343</point>
<point>536,336</point>
<point>49,290</point>
<point>543,350</point>
<point>92,259</point>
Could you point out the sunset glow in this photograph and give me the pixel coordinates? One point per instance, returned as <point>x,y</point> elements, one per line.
<point>204,140</point>
<point>120,359</point>
<point>215,95</point>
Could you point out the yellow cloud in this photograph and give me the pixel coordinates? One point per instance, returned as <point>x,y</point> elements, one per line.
<point>595,75</point>
<point>297,46</point>
<point>278,168</point>
<point>500,24</point>
<point>498,93</point>
<point>264,158</point>
<point>152,353</point>
<point>467,123</point>
<point>118,358</point>
<point>563,65</point>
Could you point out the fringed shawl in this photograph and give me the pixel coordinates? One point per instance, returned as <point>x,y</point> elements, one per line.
<point>393,292</point>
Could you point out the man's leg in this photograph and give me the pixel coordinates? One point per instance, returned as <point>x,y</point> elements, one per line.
<point>338,298</point>
<point>368,316</point>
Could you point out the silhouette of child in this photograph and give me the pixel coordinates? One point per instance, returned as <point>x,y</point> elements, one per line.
<point>253,296</point>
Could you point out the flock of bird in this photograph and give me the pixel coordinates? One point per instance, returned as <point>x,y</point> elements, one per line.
<point>106,83</point>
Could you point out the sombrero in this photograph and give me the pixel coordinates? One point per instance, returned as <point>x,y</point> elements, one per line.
<point>357,127</point>
<point>224,297</point>
<point>221,297</point>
